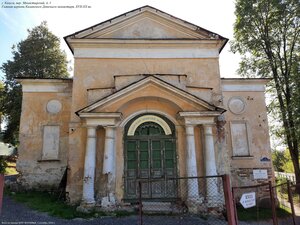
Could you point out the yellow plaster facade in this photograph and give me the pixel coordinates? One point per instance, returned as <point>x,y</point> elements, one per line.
<point>145,63</point>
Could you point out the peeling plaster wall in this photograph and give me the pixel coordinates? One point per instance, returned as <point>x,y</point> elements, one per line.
<point>99,73</point>
<point>255,117</point>
<point>36,171</point>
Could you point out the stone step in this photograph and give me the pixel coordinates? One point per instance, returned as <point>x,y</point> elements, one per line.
<point>157,207</point>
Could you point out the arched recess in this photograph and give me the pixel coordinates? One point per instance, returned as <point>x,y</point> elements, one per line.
<point>150,155</point>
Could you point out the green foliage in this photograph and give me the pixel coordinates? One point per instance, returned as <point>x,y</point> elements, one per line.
<point>49,203</point>
<point>1,102</point>
<point>3,165</point>
<point>45,202</point>
<point>267,35</point>
<point>282,161</point>
<point>278,159</point>
<point>38,56</point>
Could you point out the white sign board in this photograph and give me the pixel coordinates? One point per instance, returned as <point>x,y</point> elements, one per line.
<point>248,200</point>
<point>260,174</point>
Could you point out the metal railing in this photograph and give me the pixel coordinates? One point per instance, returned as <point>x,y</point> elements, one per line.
<point>198,200</point>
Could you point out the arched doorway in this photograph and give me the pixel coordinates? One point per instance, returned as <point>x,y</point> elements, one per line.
<point>150,156</point>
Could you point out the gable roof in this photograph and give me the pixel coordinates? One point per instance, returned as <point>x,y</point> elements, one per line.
<point>140,84</point>
<point>190,31</point>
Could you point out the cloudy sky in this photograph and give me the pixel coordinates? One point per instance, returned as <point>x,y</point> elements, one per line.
<point>214,15</point>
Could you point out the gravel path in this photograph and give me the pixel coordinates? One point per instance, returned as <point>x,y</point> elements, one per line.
<point>17,213</point>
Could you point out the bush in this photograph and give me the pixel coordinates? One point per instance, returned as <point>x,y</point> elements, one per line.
<point>3,165</point>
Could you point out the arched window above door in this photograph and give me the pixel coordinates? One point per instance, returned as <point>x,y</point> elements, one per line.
<point>149,128</point>
<point>150,124</point>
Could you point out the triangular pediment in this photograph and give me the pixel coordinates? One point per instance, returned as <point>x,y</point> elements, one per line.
<point>145,23</point>
<point>150,86</point>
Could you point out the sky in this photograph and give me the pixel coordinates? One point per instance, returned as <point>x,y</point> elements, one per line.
<point>214,15</point>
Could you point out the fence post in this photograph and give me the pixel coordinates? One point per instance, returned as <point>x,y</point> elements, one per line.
<point>1,190</point>
<point>291,201</point>
<point>230,208</point>
<point>140,204</point>
<point>273,203</point>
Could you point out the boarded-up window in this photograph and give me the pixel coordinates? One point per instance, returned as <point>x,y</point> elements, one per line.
<point>239,137</point>
<point>50,142</point>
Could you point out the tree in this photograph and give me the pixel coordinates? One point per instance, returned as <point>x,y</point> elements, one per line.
<point>278,159</point>
<point>267,34</point>
<point>38,56</point>
<point>1,101</point>
<point>282,161</point>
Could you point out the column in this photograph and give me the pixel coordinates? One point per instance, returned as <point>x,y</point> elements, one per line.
<point>210,163</point>
<point>109,166</point>
<point>89,167</point>
<point>191,163</point>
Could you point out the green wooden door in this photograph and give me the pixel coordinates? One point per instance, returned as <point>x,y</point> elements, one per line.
<point>151,156</point>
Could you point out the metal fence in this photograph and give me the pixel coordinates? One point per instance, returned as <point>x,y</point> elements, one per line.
<point>254,207</point>
<point>192,200</point>
<point>265,202</point>
<point>288,199</point>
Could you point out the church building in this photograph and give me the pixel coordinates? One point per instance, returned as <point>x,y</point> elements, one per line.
<point>146,101</point>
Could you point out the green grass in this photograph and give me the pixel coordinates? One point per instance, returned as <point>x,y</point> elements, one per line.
<point>49,203</point>
<point>254,213</point>
<point>45,202</point>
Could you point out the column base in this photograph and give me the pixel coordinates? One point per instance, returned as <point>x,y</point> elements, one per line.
<point>86,207</point>
<point>108,202</point>
<point>193,204</point>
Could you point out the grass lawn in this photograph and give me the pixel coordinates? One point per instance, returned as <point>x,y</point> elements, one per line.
<point>256,213</point>
<point>45,202</point>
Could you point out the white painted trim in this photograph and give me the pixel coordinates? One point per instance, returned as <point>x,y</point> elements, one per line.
<point>149,118</point>
<point>47,85</point>
<point>243,87</point>
<point>200,114</point>
<point>145,53</point>
<point>130,117</point>
<point>197,118</point>
<point>100,115</point>
<point>100,119</point>
<point>94,122</point>
<point>111,42</point>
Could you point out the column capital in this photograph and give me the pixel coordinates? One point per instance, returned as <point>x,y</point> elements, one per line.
<point>208,129</point>
<point>189,130</point>
<point>109,132</point>
<point>91,131</point>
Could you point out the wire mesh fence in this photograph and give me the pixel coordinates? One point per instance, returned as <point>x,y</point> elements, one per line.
<point>197,199</point>
<point>253,203</point>
<point>287,199</point>
<point>268,203</point>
